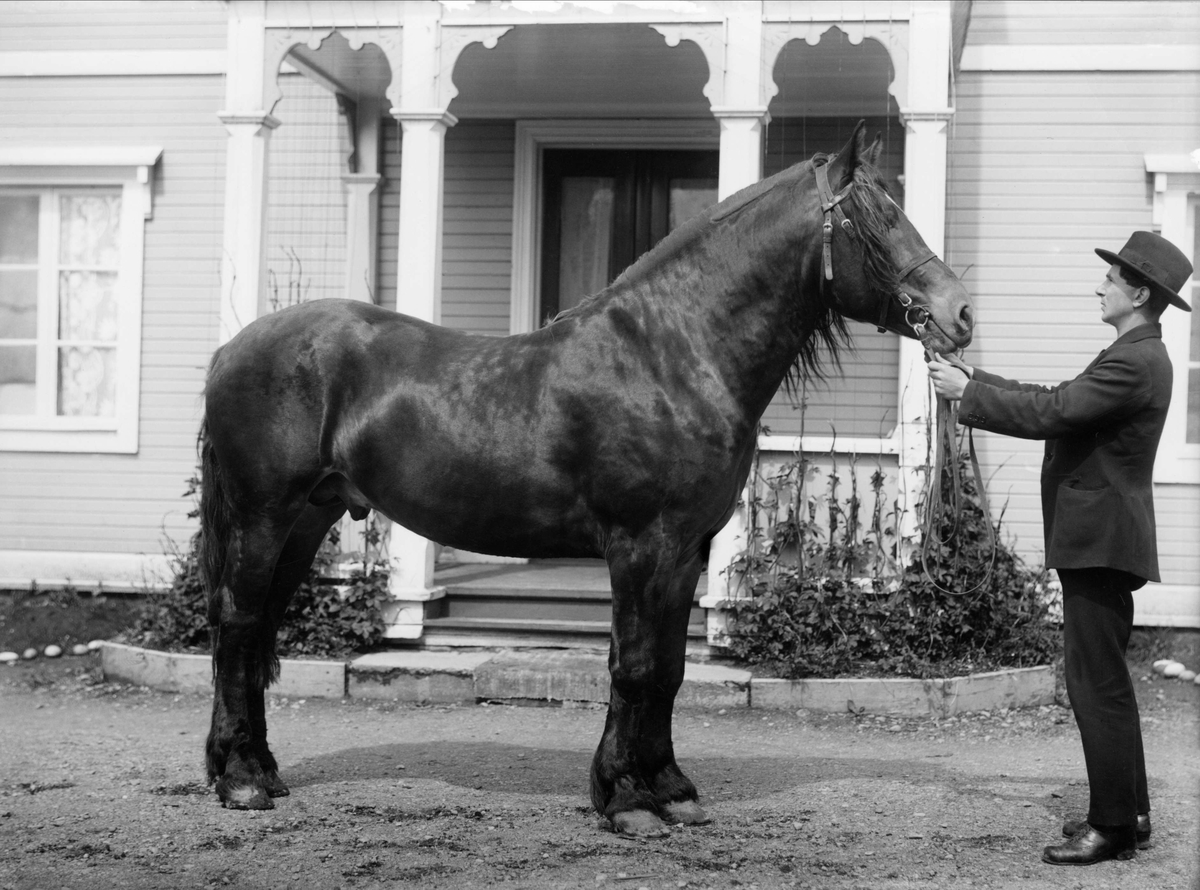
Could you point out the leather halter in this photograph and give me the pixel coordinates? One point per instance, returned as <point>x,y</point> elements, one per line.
<point>831,207</point>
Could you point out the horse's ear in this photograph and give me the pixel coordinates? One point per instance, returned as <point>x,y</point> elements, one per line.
<point>872,153</point>
<point>853,153</point>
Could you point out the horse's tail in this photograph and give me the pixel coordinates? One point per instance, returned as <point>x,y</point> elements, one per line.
<point>213,540</point>
<point>212,551</point>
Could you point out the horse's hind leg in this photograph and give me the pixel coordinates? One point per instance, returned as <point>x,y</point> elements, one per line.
<point>635,780</point>
<point>243,661</point>
<point>291,569</point>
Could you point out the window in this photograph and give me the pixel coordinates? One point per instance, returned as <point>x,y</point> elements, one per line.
<point>71,234</point>
<point>1177,218</point>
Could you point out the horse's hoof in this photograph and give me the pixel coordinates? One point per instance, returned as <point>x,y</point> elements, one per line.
<point>245,797</point>
<point>640,823</point>
<point>685,812</point>
<point>275,786</point>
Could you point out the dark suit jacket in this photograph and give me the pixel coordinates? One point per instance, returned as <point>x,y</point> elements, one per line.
<point>1101,431</point>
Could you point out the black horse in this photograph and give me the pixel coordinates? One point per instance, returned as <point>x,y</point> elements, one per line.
<point>622,430</point>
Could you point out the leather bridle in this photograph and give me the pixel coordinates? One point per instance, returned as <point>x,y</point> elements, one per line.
<point>915,316</point>
<point>944,453</point>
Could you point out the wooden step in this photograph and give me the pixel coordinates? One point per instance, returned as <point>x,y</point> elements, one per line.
<point>501,591</point>
<point>521,633</point>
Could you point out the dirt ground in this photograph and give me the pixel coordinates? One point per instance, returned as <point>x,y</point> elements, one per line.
<point>101,785</point>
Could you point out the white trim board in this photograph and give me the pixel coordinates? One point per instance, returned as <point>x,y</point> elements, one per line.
<point>1082,57</point>
<point>137,572</point>
<point>111,63</point>
<point>1167,605</point>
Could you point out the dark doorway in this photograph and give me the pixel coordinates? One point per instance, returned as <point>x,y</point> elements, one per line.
<point>603,209</point>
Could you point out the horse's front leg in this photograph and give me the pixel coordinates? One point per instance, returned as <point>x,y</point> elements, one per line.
<point>636,782</point>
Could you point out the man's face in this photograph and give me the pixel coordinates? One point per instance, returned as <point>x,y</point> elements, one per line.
<point>1116,297</point>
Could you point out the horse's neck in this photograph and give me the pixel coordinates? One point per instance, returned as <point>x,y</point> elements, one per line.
<point>734,302</point>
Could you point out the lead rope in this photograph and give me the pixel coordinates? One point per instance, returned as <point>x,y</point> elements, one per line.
<point>945,455</point>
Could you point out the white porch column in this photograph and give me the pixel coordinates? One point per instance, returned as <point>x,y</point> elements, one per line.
<point>741,110</point>
<point>422,147</point>
<point>362,227</point>
<point>419,260</point>
<point>741,148</point>
<point>249,124</point>
<point>362,207</point>
<point>925,149</point>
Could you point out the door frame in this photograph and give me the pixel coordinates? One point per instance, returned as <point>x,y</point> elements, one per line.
<point>532,137</point>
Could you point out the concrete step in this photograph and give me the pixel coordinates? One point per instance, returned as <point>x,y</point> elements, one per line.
<point>529,676</point>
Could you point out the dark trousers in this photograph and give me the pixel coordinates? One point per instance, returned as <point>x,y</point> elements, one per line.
<point>1097,620</point>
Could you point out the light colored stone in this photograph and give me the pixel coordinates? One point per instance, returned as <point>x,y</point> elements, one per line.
<point>1187,676</point>
<point>714,686</point>
<point>543,676</point>
<point>415,676</point>
<point>9,657</point>
<point>29,654</point>
<point>94,645</point>
<point>1016,688</point>
<point>183,672</point>
<point>52,651</point>
<point>1174,669</point>
<point>79,649</point>
<point>1160,664</point>
<point>904,697</point>
<point>167,671</point>
<point>1013,688</point>
<point>305,678</point>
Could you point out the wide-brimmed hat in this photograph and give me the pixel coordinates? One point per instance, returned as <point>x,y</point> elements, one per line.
<point>1157,260</point>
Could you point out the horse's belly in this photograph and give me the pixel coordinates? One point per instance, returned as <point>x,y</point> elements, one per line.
<point>507,513</point>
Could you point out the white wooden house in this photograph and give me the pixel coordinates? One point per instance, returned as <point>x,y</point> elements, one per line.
<point>170,171</point>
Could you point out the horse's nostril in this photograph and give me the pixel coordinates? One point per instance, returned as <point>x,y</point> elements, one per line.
<point>967,316</point>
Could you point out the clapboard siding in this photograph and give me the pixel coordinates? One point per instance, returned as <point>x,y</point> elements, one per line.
<point>862,399</point>
<point>1017,22</point>
<point>1177,511</point>
<point>124,503</point>
<point>476,225</point>
<point>389,213</point>
<point>86,25</point>
<point>1044,167</point>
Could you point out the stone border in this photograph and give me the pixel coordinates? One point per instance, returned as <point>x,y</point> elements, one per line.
<point>567,676</point>
<point>1013,688</point>
<point>180,672</point>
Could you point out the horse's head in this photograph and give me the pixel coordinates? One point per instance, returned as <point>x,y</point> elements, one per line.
<point>882,271</point>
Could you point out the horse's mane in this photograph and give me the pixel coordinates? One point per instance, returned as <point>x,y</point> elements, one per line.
<point>821,330</point>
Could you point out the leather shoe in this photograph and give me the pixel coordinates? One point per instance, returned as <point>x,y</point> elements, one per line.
<point>1072,827</point>
<point>1092,845</point>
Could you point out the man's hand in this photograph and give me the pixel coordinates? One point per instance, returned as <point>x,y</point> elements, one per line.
<point>949,376</point>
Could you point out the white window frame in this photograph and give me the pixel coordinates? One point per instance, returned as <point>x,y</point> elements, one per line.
<point>1176,197</point>
<point>45,169</point>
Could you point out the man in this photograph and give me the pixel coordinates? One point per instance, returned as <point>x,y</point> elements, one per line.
<point>1101,431</point>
